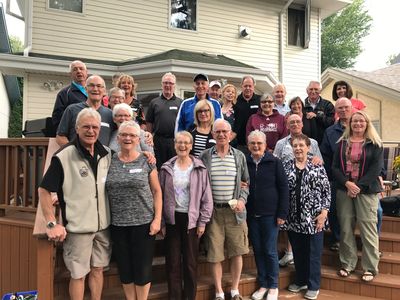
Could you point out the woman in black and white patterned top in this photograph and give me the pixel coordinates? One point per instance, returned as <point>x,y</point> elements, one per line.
<point>309,202</point>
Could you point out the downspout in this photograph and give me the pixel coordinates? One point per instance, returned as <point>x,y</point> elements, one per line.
<point>281,56</point>
<point>28,27</point>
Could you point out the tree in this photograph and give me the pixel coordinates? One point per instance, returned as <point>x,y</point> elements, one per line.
<point>16,44</point>
<point>341,36</point>
<point>393,59</point>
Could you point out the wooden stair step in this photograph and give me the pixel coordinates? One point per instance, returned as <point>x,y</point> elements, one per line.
<point>390,224</point>
<point>323,295</point>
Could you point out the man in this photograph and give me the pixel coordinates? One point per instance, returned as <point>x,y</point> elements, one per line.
<point>73,93</point>
<point>283,148</point>
<point>115,96</point>
<point>185,118</point>
<point>329,145</point>
<point>215,90</point>
<point>77,173</point>
<point>320,109</point>
<point>227,230</point>
<point>247,104</point>
<point>161,118</point>
<point>279,94</point>
<point>95,88</point>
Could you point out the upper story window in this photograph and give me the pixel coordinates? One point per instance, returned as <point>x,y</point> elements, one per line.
<point>299,25</point>
<point>183,14</point>
<point>67,5</point>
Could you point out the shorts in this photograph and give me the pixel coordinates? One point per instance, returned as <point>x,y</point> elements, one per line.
<point>133,249</point>
<point>81,251</point>
<point>224,233</point>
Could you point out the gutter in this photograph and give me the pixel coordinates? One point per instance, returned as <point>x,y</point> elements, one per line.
<point>281,56</point>
<point>28,27</point>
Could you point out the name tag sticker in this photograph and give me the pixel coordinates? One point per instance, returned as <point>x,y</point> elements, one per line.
<point>253,106</point>
<point>173,108</point>
<point>135,171</point>
<point>105,124</point>
<point>212,141</point>
<point>230,173</point>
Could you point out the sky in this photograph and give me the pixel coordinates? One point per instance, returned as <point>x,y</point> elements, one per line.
<point>383,40</point>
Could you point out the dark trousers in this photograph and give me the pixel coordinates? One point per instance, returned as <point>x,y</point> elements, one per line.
<point>182,247</point>
<point>307,252</point>
<point>332,216</point>
<point>164,149</point>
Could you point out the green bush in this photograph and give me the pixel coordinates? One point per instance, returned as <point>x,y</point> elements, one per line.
<point>15,122</point>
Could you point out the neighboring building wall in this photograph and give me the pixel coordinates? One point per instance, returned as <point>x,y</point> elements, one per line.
<point>5,109</point>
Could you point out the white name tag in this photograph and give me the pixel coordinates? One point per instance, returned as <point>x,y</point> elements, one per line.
<point>253,106</point>
<point>212,141</point>
<point>173,108</point>
<point>230,173</point>
<point>135,170</point>
<point>103,124</point>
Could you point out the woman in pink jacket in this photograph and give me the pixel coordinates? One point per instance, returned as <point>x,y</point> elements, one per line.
<point>187,208</point>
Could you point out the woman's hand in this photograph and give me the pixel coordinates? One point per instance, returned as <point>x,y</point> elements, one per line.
<point>316,161</point>
<point>155,227</point>
<point>148,138</point>
<point>200,231</point>
<point>280,221</point>
<point>320,220</point>
<point>352,189</point>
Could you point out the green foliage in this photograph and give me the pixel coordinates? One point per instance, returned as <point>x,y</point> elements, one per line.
<point>15,122</point>
<point>341,36</point>
<point>393,59</point>
<point>16,44</point>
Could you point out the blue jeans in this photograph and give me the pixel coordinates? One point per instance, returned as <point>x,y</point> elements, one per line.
<point>332,216</point>
<point>307,251</point>
<point>379,215</point>
<point>263,234</point>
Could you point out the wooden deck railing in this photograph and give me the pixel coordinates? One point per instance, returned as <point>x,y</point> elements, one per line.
<point>21,170</point>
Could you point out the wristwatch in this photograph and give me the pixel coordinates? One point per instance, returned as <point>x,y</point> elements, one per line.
<point>51,224</point>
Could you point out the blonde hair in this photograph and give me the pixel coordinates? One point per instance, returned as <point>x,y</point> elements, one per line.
<point>370,131</point>
<point>201,104</point>
<point>223,91</point>
<point>131,80</point>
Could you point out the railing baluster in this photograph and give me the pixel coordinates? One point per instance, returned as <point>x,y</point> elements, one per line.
<point>25,175</point>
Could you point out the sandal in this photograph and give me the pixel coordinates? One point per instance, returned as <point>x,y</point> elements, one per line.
<point>367,276</point>
<point>344,273</point>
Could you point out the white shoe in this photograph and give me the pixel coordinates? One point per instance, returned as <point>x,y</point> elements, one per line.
<point>272,296</point>
<point>259,294</point>
<point>286,260</point>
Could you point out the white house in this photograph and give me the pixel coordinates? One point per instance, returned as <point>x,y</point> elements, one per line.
<point>274,40</point>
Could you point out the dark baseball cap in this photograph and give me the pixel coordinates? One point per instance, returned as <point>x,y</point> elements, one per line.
<point>200,77</point>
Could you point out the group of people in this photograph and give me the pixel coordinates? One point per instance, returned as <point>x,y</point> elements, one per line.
<point>229,167</point>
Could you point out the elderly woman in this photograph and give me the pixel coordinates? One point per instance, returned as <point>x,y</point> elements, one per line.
<point>268,120</point>
<point>267,207</point>
<point>127,83</point>
<point>309,202</point>
<point>135,199</point>
<point>187,207</point>
<point>203,120</point>
<point>309,125</point>
<point>357,163</point>
<point>123,112</point>
<point>115,96</point>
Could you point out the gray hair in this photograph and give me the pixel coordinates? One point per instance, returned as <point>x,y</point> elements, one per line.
<point>248,76</point>
<point>122,106</point>
<point>314,82</point>
<point>266,96</point>
<point>217,121</point>
<point>87,112</point>
<point>132,124</point>
<point>90,78</point>
<point>168,74</point>
<point>257,133</point>
<point>71,65</point>
<point>114,90</point>
<point>185,134</point>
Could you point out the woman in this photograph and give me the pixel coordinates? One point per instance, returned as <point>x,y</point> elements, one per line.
<point>267,207</point>
<point>123,112</point>
<point>356,166</point>
<point>187,207</point>
<point>343,89</point>
<point>136,206</point>
<point>201,132</point>
<point>309,125</point>
<point>229,95</point>
<point>268,120</point>
<point>309,201</point>
<point>127,83</point>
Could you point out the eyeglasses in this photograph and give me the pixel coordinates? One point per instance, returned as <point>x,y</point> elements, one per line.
<point>256,143</point>
<point>221,131</point>
<point>200,111</point>
<point>358,121</point>
<point>88,127</point>
<point>295,122</point>
<point>92,86</point>
<point>183,143</point>
<point>125,116</point>
<point>168,83</point>
<point>266,101</point>
<point>130,135</point>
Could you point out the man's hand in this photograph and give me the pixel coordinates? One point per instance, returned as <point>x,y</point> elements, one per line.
<point>57,233</point>
<point>151,159</point>
<point>280,221</point>
<point>240,206</point>
<point>316,161</point>
<point>310,115</point>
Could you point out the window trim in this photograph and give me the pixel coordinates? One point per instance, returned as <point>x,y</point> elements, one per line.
<point>61,11</point>
<point>307,24</point>
<point>170,27</point>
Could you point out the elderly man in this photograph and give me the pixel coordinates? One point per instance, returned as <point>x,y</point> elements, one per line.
<point>185,118</point>
<point>73,93</point>
<point>96,88</point>
<point>247,104</point>
<point>215,89</point>
<point>227,231</point>
<point>77,173</point>
<point>279,94</point>
<point>115,96</point>
<point>161,118</point>
<point>320,109</point>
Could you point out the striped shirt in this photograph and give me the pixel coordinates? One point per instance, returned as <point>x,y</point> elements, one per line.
<point>223,177</point>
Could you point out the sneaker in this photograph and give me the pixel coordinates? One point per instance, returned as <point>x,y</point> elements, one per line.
<point>311,295</point>
<point>286,260</point>
<point>259,294</point>
<point>294,288</point>
<point>271,296</point>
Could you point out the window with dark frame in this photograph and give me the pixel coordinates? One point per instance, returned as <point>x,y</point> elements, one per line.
<point>183,14</point>
<point>298,21</point>
<point>67,5</point>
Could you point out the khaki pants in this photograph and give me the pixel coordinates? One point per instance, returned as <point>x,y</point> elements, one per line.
<point>363,211</point>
